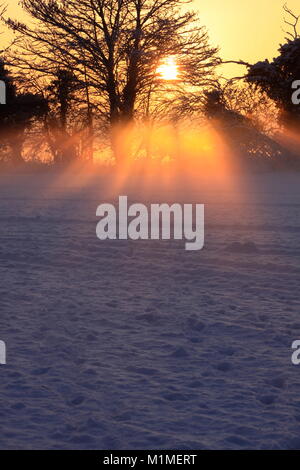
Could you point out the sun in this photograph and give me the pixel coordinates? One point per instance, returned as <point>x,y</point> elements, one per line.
<point>168,70</point>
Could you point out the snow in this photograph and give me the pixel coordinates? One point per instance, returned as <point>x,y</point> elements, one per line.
<point>143,345</point>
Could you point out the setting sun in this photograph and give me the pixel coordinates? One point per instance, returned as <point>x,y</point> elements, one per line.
<point>168,70</point>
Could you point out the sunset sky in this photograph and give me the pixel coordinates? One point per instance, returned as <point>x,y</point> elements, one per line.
<point>250,30</point>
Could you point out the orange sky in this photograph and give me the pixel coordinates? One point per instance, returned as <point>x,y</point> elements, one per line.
<point>250,30</point>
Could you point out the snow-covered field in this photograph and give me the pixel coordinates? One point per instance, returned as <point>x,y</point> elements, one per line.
<point>142,345</point>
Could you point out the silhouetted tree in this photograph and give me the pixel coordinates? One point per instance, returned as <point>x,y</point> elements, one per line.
<point>275,78</point>
<point>114,47</point>
<point>60,95</point>
<point>16,116</point>
<point>249,144</point>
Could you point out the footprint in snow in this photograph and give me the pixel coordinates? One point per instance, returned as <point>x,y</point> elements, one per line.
<point>267,399</point>
<point>224,366</point>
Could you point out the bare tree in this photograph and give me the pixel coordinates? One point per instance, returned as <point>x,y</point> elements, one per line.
<point>292,23</point>
<point>113,47</point>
